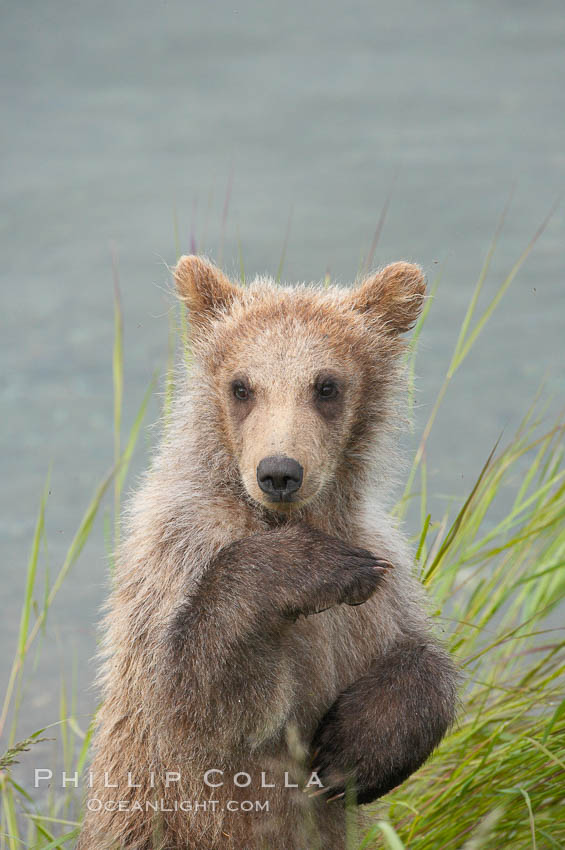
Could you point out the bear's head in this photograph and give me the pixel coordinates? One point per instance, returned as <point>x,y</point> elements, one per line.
<point>299,381</point>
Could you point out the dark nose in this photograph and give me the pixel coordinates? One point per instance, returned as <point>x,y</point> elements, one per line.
<point>279,476</point>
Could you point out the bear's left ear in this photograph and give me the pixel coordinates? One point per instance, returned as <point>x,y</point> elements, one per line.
<point>393,297</point>
<point>205,290</point>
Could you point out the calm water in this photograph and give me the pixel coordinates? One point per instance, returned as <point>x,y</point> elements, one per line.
<point>114,115</point>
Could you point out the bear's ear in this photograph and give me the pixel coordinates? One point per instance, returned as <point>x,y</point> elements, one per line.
<point>393,297</point>
<point>205,290</point>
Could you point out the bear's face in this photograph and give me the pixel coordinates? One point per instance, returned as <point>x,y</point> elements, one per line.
<point>300,378</point>
<point>288,396</point>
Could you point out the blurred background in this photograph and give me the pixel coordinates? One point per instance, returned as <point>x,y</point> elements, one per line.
<point>143,128</point>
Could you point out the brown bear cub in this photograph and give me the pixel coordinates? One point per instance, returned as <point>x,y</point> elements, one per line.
<point>266,649</point>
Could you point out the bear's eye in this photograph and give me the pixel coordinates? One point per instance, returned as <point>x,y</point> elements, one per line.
<point>327,389</point>
<point>240,391</point>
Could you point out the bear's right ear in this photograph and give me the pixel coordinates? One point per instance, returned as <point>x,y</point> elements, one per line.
<point>205,290</point>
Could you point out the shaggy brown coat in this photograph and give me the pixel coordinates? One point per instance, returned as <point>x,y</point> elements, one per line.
<point>235,637</point>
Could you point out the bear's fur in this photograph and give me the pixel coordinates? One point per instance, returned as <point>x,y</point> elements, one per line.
<point>235,638</point>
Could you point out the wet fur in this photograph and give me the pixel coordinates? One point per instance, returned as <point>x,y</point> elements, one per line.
<point>234,637</point>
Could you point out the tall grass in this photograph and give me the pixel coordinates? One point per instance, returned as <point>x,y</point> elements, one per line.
<point>495,572</point>
<point>498,780</point>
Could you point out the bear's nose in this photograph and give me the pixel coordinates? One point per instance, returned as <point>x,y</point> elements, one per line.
<point>279,476</point>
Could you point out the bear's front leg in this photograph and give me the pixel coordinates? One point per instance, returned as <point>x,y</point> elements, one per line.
<point>226,642</point>
<point>386,724</point>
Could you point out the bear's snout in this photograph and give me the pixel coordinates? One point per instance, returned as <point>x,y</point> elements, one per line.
<point>279,477</point>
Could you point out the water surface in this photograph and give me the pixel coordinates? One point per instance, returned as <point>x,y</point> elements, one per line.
<point>119,118</point>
